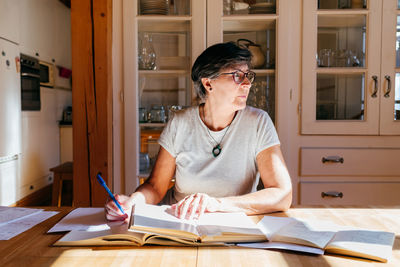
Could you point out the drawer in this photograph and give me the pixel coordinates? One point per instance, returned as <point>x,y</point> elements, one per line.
<point>350,161</point>
<point>314,193</point>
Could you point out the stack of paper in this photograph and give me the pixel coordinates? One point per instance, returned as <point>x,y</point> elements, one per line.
<point>15,220</point>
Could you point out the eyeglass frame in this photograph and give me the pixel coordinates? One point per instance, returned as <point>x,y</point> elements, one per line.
<point>246,75</point>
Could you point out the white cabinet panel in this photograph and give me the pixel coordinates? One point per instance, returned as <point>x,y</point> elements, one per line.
<point>9,20</point>
<point>350,161</point>
<point>10,100</point>
<point>349,193</point>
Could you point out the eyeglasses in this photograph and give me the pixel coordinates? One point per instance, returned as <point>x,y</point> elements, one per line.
<point>238,76</point>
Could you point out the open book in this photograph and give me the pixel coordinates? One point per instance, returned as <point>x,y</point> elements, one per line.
<point>152,224</point>
<point>332,238</point>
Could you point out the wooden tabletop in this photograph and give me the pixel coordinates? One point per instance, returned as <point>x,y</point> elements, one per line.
<point>34,247</point>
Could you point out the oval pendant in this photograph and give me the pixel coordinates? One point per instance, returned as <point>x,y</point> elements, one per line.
<point>216,150</point>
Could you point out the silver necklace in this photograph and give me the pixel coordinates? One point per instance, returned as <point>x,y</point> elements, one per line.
<point>216,149</point>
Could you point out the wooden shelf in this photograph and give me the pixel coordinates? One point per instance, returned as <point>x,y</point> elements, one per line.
<point>349,70</point>
<point>166,73</point>
<point>342,12</point>
<point>340,20</point>
<point>264,72</point>
<point>152,124</point>
<point>239,23</point>
<point>152,23</point>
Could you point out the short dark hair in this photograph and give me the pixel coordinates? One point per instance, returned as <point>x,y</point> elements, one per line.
<point>214,59</point>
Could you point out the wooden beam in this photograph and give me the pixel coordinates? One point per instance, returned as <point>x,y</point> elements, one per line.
<point>91,99</point>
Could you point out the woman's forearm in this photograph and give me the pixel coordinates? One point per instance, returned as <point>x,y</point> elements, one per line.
<point>263,201</point>
<point>149,193</point>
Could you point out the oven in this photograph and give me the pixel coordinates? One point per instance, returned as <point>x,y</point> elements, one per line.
<point>30,83</point>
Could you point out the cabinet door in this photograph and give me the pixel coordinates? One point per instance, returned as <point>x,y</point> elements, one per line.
<point>252,24</point>
<point>161,41</point>
<point>390,73</point>
<point>9,20</point>
<point>341,67</point>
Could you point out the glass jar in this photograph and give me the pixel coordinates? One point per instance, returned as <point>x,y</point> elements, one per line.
<point>142,115</point>
<point>157,114</point>
<point>147,55</point>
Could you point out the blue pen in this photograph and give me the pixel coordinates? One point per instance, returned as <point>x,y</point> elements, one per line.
<point>101,181</point>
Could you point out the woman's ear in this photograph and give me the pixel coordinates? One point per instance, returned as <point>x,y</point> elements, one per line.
<point>206,83</point>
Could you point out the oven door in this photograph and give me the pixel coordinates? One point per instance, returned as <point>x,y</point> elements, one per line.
<point>30,91</point>
<point>46,74</point>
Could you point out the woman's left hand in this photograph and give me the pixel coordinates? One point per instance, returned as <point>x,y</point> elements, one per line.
<point>193,206</point>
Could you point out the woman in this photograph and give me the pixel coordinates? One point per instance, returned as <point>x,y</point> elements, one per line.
<point>217,150</point>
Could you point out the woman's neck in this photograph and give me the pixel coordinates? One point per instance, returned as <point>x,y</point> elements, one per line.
<point>216,118</point>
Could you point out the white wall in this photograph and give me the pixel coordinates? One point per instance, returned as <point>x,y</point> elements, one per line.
<point>45,28</point>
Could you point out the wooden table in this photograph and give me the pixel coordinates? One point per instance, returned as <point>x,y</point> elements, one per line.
<point>34,247</point>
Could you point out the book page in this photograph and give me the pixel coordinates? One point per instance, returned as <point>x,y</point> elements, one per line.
<point>158,219</point>
<point>88,219</point>
<point>270,225</point>
<point>363,243</point>
<point>313,233</point>
<point>233,223</point>
<point>282,246</point>
<point>98,238</point>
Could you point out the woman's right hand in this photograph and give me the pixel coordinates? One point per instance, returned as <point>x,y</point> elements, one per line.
<point>112,211</point>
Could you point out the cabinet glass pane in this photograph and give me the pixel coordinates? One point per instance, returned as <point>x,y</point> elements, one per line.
<point>341,41</point>
<point>164,7</point>
<point>340,97</point>
<point>397,98</point>
<point>235,7</point>
<point>166,82</point>
<point>259,37</point>
<point>262,94</point>
<point>342,4</point>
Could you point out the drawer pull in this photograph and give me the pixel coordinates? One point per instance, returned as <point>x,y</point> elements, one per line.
<point>332,194</point>
<point>334,159</point>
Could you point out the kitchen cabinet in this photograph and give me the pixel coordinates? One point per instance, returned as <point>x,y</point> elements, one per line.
<point>351,67</point>
<point>349,139</point>
<point>176,38</point>
<point>45,31</point>
<point>351,123</point>
<point>9,20</point>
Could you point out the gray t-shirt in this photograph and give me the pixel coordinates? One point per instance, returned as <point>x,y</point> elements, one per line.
<point>234,171</point>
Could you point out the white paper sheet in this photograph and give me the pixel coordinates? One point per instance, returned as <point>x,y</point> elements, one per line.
<point>82,219</point>
<point>284,246</point>
<point>15,227</point>
<point>10,214</point>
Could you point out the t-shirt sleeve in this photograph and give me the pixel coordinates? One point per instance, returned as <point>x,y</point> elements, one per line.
<point>266,133</point>
<point>167,137</point>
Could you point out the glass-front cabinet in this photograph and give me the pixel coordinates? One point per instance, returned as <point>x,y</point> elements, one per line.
<point>350,67</point>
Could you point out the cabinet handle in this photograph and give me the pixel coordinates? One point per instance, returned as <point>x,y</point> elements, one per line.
<point>30,75</point>
<point>332,194</point>
<point>375,78</point>
<point>389,86</point>
<point>334,159</point>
